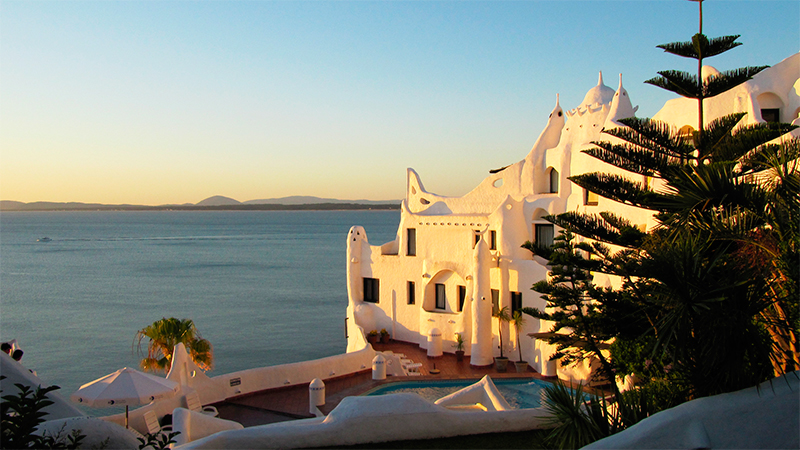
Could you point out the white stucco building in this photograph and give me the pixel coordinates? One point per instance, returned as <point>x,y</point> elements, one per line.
<point>455,258</point>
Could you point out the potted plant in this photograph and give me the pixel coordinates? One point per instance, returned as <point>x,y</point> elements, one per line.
<point>519,321</point>
<point>501,362</point>
<point>459,345</point>
<point>372,337</point>
<point>384,336</point>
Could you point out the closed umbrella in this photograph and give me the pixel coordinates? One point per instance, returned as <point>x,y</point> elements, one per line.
<point>125,387</point>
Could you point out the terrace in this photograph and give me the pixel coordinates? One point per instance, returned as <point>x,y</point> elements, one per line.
<point>291,402</point>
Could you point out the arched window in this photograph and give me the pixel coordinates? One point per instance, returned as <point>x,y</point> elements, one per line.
<point>770,106</point>
<point>553,181</point>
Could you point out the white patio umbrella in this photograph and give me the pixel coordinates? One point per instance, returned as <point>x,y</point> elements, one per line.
<point>125,387</point>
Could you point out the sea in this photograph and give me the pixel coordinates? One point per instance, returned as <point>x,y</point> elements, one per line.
<point>264,287</point>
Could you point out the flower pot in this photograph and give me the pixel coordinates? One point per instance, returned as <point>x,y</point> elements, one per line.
<point>372,338</point>
<point>459,355</point>
<point>522,366</point>
<point>501,364</point>
<point>384,339</point>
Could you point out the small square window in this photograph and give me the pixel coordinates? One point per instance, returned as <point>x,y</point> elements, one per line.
<point>590,198</point>
<point>371,290</point>
<point>771,114</point>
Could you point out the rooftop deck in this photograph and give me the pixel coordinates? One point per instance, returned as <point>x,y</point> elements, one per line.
<point>291,402</point>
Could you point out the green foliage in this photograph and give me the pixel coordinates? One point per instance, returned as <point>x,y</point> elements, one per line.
<point>459,345</point>
<point>518,320</point>
<point>503,316</point>
<point>715,285</point>
<point>158,440</point>
<point>575,305</point>
<point>577,419</point>
<point>23,412</point>
<point>708,301</point>
<point>164,334</point>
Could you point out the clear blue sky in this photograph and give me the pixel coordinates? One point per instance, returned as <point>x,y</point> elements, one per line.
<point>152,102</point>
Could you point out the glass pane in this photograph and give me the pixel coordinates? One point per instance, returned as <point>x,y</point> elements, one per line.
<point>544,235</point>
<point>441,301</point>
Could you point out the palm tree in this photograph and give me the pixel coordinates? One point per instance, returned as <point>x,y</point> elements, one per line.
<point>502,315</point>
<point>164,334</point>
<point>519,321</point>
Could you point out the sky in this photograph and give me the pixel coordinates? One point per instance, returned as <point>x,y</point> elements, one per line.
<point>169,102</point>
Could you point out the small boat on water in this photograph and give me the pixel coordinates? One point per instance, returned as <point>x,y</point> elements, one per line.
<point>44,239</point>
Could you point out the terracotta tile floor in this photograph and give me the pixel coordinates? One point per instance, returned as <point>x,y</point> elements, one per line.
<point>289,403</point>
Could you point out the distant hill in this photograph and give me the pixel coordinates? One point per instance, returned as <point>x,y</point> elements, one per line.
<point>309,200</point>
<point>219,200</point>
<point>216,202</point>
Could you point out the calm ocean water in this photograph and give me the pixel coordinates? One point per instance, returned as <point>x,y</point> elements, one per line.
<point>265,287</point>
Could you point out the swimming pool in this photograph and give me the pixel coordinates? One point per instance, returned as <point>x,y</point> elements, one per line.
<point>519,393</point>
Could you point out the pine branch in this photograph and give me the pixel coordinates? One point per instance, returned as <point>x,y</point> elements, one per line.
<point>617,188</point>
<point>719,45</point>
<point>681,83</point>
<point>653,135</point>
<point>747,138</point>
<point>716,132</point>
<point>629,158</point>
<point>727,80</point>
<point>589,226</point>
<point>615,221</point>
<point>708,48</point>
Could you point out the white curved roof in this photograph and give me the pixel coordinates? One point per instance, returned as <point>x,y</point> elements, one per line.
<point>601,94</point>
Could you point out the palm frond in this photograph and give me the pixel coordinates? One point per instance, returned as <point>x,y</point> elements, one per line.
<point>703,189</point>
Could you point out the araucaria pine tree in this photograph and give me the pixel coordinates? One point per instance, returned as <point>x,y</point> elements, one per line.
<point>716,281</point>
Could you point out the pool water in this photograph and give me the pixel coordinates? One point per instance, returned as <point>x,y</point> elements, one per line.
<point>520,394</point>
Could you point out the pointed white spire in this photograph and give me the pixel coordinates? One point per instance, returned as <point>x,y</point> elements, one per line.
<point>621,107</point>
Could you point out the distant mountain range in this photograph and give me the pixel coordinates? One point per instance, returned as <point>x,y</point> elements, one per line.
<point>216,202</point>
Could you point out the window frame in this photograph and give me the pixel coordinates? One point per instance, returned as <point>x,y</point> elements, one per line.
<point>372,290</point>
<point>440,301</point>
<point>553,180</point>
<point>590,198</point>
<point>495,294</point>
<point>411,242</point>
<point>771,112</point>
<point>541,226</point>
<point>516,301</point>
